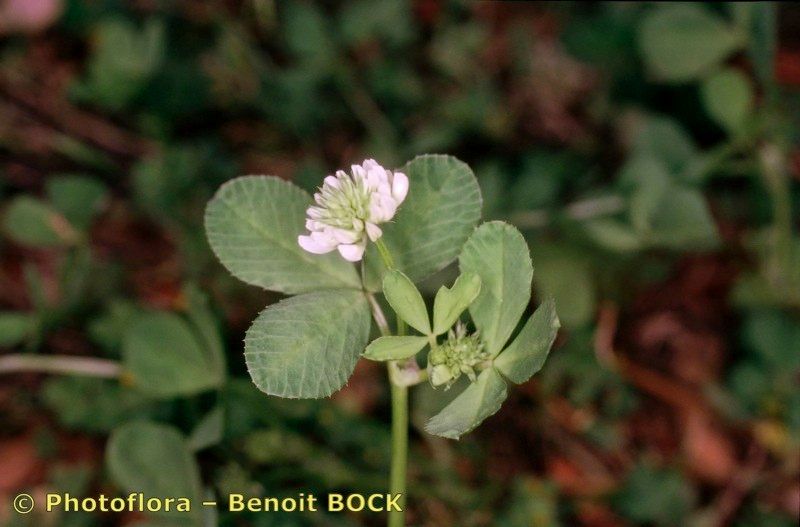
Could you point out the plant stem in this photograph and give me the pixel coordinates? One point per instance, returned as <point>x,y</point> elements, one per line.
<point>62,365</point>
<point>378,316</point>
<point>397,473</point>
<point>386,256</point>
<point>397,477</point>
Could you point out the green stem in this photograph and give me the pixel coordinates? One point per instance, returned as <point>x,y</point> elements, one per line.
<point>386,256</point>
<point>397,477</point>
<point>397,473</point>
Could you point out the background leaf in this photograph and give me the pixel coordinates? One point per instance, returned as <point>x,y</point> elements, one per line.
<point>209,431</point>
<point>205,326</point>
<point>480,400</point>
<point>307,33</point>
<point>78,198</point>
<point>613,234</point>
<point>658,496</point>
<point>307,346</point>
<point>123,60</point>
<point>663,140</point>
<point>15,327</point>
<point>167,359</point>
<point>252,225</point>
<point>672,215</point>
<point>728,98</point>
<point>497,253</point>
<point>758,20</point>
<point>681,41</point>
<point>154,459</point>
<point>564,275</point>
<point>94,405</point>
<point>33,222</point>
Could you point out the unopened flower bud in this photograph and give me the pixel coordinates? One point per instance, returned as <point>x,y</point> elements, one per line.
<point>459,354</point>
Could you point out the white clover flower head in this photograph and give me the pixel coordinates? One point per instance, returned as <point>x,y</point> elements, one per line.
<point>349,208</point>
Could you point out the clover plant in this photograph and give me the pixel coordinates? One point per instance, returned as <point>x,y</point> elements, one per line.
<point>373,231</point>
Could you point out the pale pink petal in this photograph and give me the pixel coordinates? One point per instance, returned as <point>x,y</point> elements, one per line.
<point>376,212</point>
<point>388,206</point>
<point>399,186</point>
<point>384,188</point>
<point>324,236</point>
<point>359,174</point>
<point>376,174</point>
<point>313,246</point>
<point>352,253</point>
<point>374,178</point>
<point>343,235</point>
<point>332,181</point>
<point>373,231</point>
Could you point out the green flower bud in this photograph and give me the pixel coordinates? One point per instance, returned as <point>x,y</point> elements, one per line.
<point>459,354</point>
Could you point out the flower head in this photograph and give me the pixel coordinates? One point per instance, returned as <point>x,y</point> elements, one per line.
<point>460,353</point>
<point>349,208</point>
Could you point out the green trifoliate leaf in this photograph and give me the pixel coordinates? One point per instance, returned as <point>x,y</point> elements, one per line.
<point>154,459</point>
<point>307,346</point>
<point>526,354</point>
<point>33,222</point>
<point>252,224</point>
<point>450,303</point>
<point>394,348</point>
<point>480,400</point>
<point>167,358</point>
<point>405,299</point>
<point>728,98</point>
<point>497,253</point>
<point>441,210</point>
<point>681,41</point>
